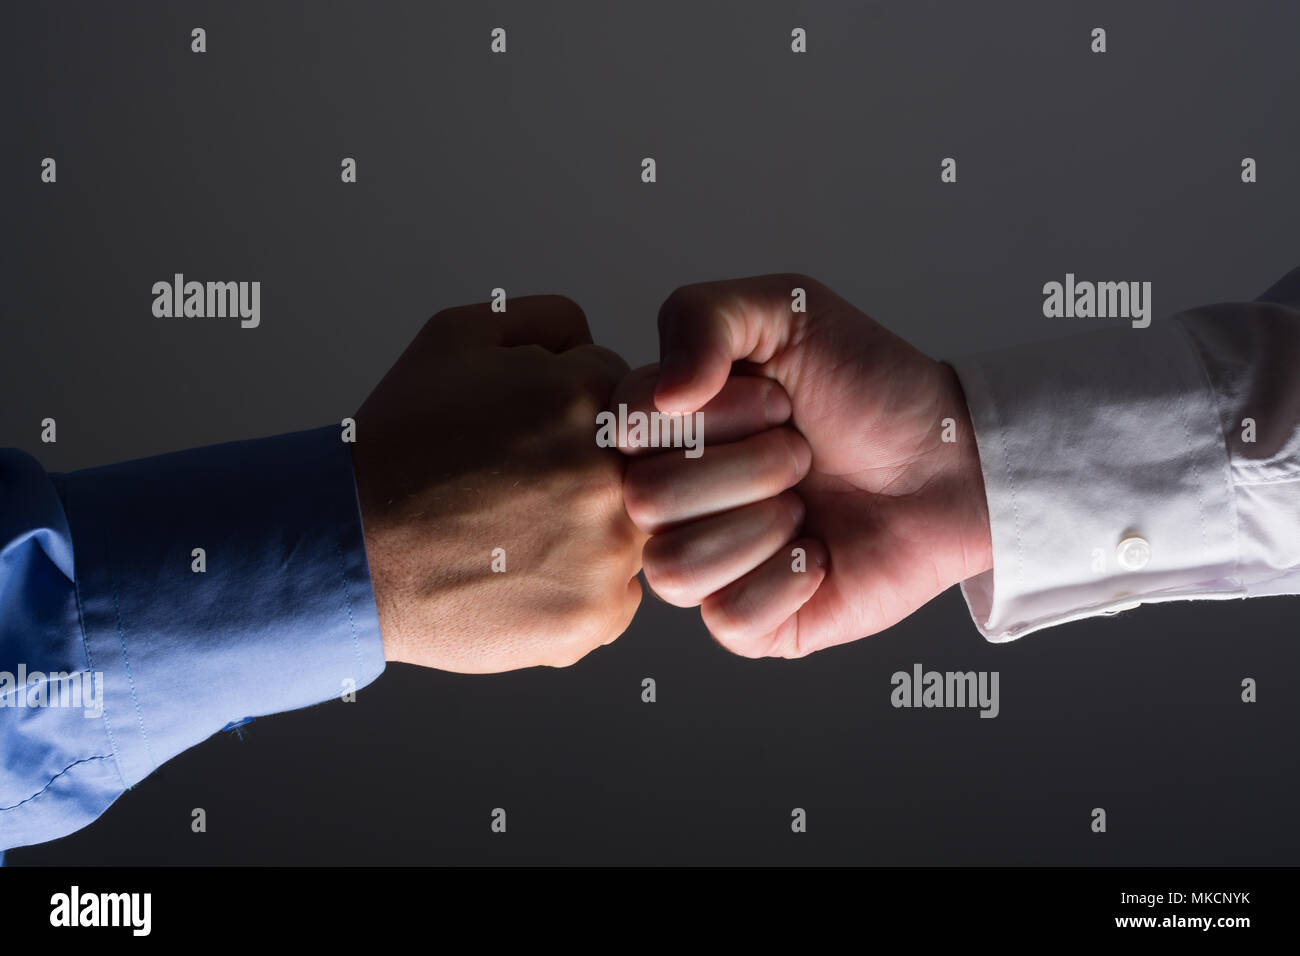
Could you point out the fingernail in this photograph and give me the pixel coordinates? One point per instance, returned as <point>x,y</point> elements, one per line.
<point>776,405</point>
<point>802,454</point>
<point>796,509</point>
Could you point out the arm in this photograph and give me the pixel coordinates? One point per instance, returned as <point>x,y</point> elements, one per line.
<point>1133,467</point>
<point>1086,476</point>
<point>484,532</point>
<point>97,582</point>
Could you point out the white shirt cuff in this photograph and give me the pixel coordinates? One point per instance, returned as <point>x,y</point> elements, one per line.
<point>1107,478</point>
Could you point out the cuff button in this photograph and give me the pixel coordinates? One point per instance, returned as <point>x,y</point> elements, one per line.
<point>1133,553</point>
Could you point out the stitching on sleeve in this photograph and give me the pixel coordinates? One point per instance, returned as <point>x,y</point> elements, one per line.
<point>56,777</point>
<point>85,641</point>
<point>121,634</point>
<point>1278,480</point>
<point>347,602</point>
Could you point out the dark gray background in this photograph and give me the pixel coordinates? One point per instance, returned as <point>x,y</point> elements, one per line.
<point>522,171</point>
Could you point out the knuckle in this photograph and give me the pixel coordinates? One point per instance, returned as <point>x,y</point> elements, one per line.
<point>449,314</point>
<point>526,368</point>
<point>679,302</point>
<point>580,406</point>
<point>594,368</point>
<point>676,298</point>
<point>804,281</point>
<point>608,367</point>
<point>559,300</point>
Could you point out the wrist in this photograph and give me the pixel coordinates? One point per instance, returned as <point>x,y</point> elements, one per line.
<point>384,557</point>
<point>973,535</point>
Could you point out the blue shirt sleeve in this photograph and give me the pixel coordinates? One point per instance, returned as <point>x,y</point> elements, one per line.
<point>119,649</point>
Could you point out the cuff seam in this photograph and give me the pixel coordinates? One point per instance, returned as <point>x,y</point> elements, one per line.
<point>1000,425</point>
<point>126,659</point>
<point>1199,359</point>
<point>85,641</point>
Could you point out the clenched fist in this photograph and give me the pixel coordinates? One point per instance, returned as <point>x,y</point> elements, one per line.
<point>494,524</point>
<point>827,504</point>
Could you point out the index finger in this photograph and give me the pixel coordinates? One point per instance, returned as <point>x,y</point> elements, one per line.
<point>705,327</point>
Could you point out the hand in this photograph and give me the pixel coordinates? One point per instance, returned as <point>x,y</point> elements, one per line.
<point>887,513</point>
<point>482,437</point>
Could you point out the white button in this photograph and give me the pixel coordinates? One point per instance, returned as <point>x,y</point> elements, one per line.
<point>1133,553</point>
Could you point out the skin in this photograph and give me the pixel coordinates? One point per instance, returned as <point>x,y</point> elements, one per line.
<point>482,436</point>
<point>855,474</point>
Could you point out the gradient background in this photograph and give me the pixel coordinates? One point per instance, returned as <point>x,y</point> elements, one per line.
<point>523,171</point>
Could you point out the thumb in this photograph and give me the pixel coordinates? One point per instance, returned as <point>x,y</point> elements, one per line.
<point>704,328</point>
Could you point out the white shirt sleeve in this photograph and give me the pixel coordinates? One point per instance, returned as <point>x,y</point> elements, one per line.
<point>1134,466</point>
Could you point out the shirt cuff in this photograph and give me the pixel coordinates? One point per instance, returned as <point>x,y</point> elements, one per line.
<point>278,614</point>
<point>1107,479</point>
